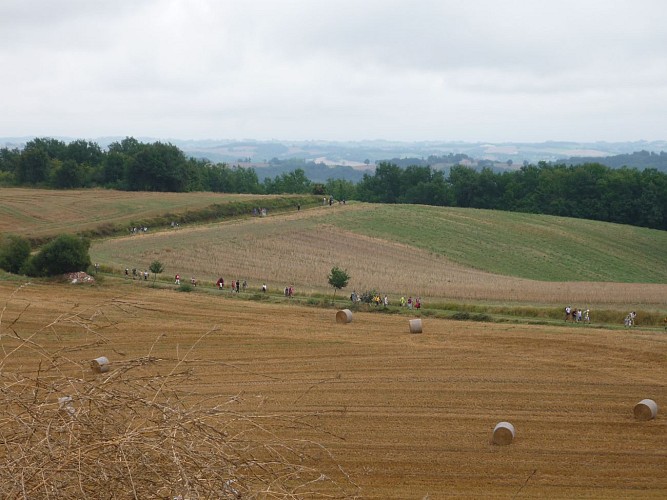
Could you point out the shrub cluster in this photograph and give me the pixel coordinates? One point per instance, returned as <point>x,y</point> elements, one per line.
<point>64,254</point>
<point>14,252</point>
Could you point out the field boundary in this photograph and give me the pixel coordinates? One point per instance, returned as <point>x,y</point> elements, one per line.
<point>212,213</point>
<point>601,317</point>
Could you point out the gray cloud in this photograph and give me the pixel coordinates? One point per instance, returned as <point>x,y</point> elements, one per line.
<point>479,70</point>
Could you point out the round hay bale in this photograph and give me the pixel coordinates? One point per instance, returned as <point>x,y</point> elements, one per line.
<point>100,365</point>
<point>503,433</point>
<point>415,325</point>
<point>344,316</point>
<point>646,409</point>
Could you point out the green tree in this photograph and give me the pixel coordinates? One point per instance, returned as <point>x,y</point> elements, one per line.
<point>382,187</point>
<point>113,169</point>
<point>68,174</point>
<point>156,268</point>
<point>87,152</point>
<point>291,182</point>
<point>465,185</point>
<point>127,146</point>
<point>14,252</point>
<point>157,167</point>
<point>340,189</point>
<point>9,159</point>
<point>54,148</point>
<point>338,279</point>
<point>33,167</point>
<point>65,254</point>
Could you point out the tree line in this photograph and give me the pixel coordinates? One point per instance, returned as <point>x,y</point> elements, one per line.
<point>590,191</point>
<point>132,166</point>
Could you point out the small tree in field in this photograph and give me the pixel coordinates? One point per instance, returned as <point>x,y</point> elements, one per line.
<point>156,268</point>
<point>338,279</point>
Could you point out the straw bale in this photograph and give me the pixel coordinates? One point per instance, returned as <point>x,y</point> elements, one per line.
<point>100,365</point>
<point>344,316</point>
<point>646,409</point>
<point>503,433</point>
<point>416,325</point>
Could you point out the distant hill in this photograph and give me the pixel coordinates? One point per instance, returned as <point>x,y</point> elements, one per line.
<point>316,172</point>
<point>358,154</point>
<point>639,160</point>
<point>361,153</point>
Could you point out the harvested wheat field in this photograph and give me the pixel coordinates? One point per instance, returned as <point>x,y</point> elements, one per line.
<point>363,409</point>
<point>44,212</point>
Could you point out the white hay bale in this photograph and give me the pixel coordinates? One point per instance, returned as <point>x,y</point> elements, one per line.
<point>100,365</point>
<point>415,325</point>
<point>646,409</point>
<point>503,433</point>
<point>344,316</point>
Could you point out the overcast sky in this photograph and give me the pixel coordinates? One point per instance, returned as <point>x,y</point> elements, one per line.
<point>473,70</point>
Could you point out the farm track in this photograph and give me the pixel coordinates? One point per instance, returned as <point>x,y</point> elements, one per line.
<point>404,415</point>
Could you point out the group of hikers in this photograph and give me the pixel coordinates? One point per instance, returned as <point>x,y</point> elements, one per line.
<point>630,319</point>
<point>136,273</point>
<point>577,315</point>
<point>235,286</point>
<point>378,300</point>
<point>410,303</point>
<point>584,315</point>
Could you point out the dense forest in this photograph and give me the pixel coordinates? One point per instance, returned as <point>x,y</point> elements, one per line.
<point>589,191</point>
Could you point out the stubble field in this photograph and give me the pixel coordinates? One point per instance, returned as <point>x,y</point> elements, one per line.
<point>364,409</point>
<point>40,213</point>
<point>403,415</point>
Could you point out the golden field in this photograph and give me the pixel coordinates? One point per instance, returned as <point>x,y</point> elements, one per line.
<point>39,213</point>
<point>400,415</point>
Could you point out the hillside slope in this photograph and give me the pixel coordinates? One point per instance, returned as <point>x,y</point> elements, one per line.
<point>398,250</point>
<point>538,247</point>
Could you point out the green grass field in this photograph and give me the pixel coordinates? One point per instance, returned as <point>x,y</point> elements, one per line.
<point>538,247</point>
